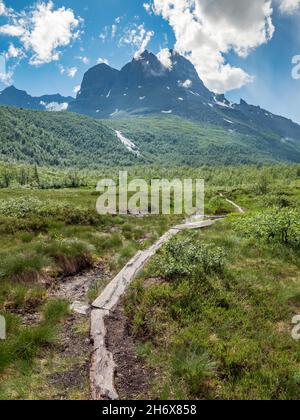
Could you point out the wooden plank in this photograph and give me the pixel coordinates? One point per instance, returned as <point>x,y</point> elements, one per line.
<point>103,366</point>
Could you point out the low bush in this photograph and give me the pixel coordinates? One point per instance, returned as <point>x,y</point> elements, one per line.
<point>279,225</point>
<point>218,206</point>
<point>185,257</point>
<point>11,225</point>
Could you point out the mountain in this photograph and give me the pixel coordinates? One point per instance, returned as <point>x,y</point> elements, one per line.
<point>71,140</point>
<point>145,87</point>
<point>19,98</point>
<point>145,113</point>
<point>60,139</point>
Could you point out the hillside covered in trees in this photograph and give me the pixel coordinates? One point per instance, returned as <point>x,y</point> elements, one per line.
<point>72,140</point>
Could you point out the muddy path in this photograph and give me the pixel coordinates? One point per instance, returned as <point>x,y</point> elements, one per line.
<point>70,377</point>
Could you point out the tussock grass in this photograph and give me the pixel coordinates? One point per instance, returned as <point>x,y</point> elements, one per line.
<point>71,256</point>
<point>22,267</point>
<point>219,334</point>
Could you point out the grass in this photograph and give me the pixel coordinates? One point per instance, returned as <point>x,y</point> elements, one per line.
<point>44,237</point>
<point>185,329</point>
<point>225,334</point>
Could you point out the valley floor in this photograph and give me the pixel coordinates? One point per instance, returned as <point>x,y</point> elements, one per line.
<point>210,317</point>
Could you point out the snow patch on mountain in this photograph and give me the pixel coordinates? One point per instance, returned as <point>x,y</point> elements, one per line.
<point>127,143</point>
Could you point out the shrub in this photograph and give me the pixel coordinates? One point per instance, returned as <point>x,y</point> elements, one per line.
<point>276,200</point>
<point>28,206</point>
<point>217,206</point>
<point>107,243</point>
<point>11,225</point>
<point>76,216</point>
<point>25,344</point>
<point>281,225</point>
<point>185,257</point>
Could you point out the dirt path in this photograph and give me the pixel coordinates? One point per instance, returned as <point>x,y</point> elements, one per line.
<point>72,356</point>
<point>75,288</point>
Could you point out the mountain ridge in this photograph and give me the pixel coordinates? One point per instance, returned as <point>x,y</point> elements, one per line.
<point>145,87</point>
<point>12,96</point>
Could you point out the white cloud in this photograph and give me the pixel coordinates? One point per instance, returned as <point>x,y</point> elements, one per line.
<point>6,77</point>
<point>113,30</point>
<point>104,35</point>
<point>289,6</point>
<point>13,52</point>
<point>102,60</point>
<point>84,59</point>
<point>61,68</point>
<point>205,30</point>
<point>165,57</point>
<point>2,8</point>
<point>43,30</point>
<point>55,106</point>
<point>71,72</point>
<point>138,37</point>
<point>148,8</point>
<point>12,30</point>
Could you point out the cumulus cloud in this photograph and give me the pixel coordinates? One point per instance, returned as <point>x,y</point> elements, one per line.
<point>206,30</point>
<point>13,52</point>
<point>289,6</point>
<point>84,59</point>
<point>43,31</point>
<point>12,30</point>
<point>138,37</point>
<point>55,106</point>
<point>148,8</point>
<point>165,57</point>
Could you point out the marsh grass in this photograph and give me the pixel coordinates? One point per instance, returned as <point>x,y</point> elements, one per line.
<point>227,335</point>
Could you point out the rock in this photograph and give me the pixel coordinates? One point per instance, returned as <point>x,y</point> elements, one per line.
<point>80,308</point>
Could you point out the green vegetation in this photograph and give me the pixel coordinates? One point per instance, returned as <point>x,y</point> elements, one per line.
<point>47,235</point>
<point>227,285</point>
<point>212,312</point>
<point>170,141</point>
<point>70,140</point>
<point>220,331</point>
<point>58,139</point>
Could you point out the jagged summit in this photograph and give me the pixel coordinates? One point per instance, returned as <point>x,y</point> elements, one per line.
<point>166,86</point>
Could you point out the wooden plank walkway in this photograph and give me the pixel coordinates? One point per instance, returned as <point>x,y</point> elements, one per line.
<point>103,366</point>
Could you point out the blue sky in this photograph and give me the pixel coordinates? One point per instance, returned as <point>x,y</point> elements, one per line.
<point>248,58</point>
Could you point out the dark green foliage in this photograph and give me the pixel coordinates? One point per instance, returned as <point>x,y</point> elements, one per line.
<point>71,140</point>
<point>57,139</point>
<point>280,225</point>
<point>189,258</point>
